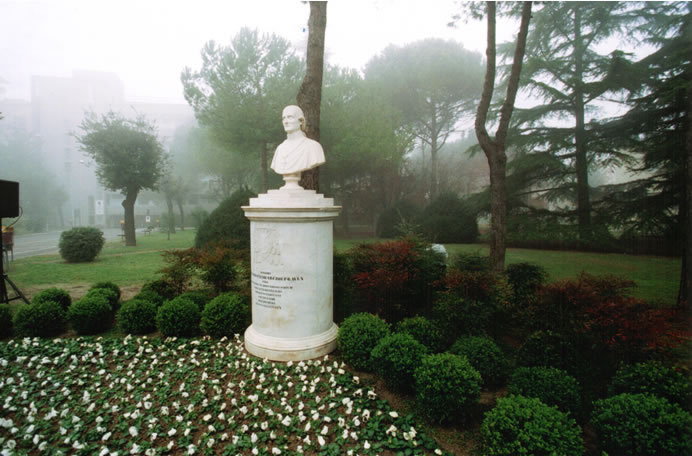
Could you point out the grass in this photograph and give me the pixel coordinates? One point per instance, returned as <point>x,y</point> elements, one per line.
<point>657,278</point>
<point>116,262</point>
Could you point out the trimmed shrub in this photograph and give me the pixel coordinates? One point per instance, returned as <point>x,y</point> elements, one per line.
<point>161,287</point>
<point>654,378</point>
<point>179,317</point>
<point>470,262</point>
<point>151,296</point>
<point>523,425</point>
<point>227,222</point>
<point>424,331</point>
<point>393,218</point>
<point>217,266</point>
<point>225,315</point>
<point>108,285</point>
<point>42,319</point>
<point>110,295</point>
<point>358,336</point>
<point>455,316</point>
<point>485,356</point>
<point>447,387</point>
<point>344,290</point>
<point>53,294</point>
<point>641,425</point>
<point>5,321</point>
<point>92,314</point>
<point>199,297</point>
<point>137,316</point>
<point>396,279</point>
<point>447,219</point>
<point>395,358</point>
<point>551,385</point>
<point>546,348</point>
<point>525,280</point>
<point>81,244</point>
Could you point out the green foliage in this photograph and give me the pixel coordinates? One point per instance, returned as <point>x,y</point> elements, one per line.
<point>162,288</point>
<point>456,316</point>
<point>110,285</point>
<point>198,216</point>
<point>551,385</point>
<point>217,265</point>
<point>525,279</point>
<point>199,297</point>
<point>93,314</point>
<point>137,316</point>
<point>447,219</point>
<point>151,296</point>
<point>642,425</point>
<point>390,219</point>
<point>110,295</point>
<point>5,321</point>
<point>58,295</point>
<point>41,319</point>
<point>395,358</point>
<point>344,291</point>
<point>447,387</point>
<point>225,315</point>
<point>178,317</point>
<point>522,425</point>
<point>227,223</point>
<point>485,356</point>
<point>424,331</point>
<point>358,336</point>
<point>180,269</point>
<point>653,377</point>
<point>470,262</point>
<point>81,244</point>
<point>547,348</point>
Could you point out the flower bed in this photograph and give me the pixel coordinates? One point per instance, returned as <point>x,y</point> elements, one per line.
<point>188,396</point>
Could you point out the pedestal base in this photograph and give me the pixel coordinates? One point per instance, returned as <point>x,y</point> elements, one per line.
<point>293,349</point>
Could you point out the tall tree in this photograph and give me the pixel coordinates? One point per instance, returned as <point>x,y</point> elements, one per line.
<point>564,69</point>
<point>432,83</point>
<point>310,94</point>
<point>494,148</point>
<point>657,129</point>
<point>128,155</point>
<point>241,89</point>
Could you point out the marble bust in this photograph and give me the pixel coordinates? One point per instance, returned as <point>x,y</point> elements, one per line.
<point>297,153</point>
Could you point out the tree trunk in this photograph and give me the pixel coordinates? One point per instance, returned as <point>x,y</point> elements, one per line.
<point>581,165</point>
<point>171,216</point>
<point>309,95</point>
<point>433,157</point>
<point>182,215</point>
<point>686,211</point>
<point>495,149</point>
<point>129,206</point>
<point>263,164</point>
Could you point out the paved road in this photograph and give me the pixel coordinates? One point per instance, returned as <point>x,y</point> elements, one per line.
<point>26,245</point>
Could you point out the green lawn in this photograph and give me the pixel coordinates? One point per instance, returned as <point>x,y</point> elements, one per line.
<point>657,278</point>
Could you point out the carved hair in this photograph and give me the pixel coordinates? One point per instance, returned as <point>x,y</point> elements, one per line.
<point>301,116</point>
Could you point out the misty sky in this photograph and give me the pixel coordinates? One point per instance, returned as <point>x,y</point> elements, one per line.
<point>147,43</point>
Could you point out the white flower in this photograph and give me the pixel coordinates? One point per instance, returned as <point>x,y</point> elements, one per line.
<point>394,414</point>
<point>191,449</point>
<point>253,438</point>
<point>133,431</point>
<point>438,451</point>
<point>170,445</point>
<point>321,440</point>
<point>286,421</point>
<point>276,451</point>
<point>391,430</point>
<point>207,417</point>
<point>325,431</point>
<point>366,445</point>
<point>106,436</point>
<point>172,432</point>
<point>255,451</point>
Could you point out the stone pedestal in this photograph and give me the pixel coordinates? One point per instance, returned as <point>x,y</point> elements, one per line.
<point>292,288</point>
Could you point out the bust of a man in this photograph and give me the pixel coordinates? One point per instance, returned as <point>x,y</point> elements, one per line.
<point>297,153</point>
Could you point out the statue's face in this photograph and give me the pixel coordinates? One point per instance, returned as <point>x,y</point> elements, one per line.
<point>291,120</point>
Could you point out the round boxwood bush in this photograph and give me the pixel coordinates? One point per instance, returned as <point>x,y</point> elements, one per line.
<point>225,315</point>
<point>42,319</point>
<point>485,356</point>
<point>448,219</point>
<point>652,377</point>
<point>641,425</point>
<point>199,297</point>
<point>161,287</point>
<point>151,296</point>
<point>91,314</point>
<point>523,425</point>
<point>227,222</point>
<point>110,295</point>
<point>179,317</point>
<point>109,285</point>
<point>5,321</point>
<point>357,337</point>
<point>53,294</point>
<point>551,385</point>
<point>447,387</point>
<point>81,244</point>
<point>137,316</point>
<point>424,331</point>
<point>395,358</point>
